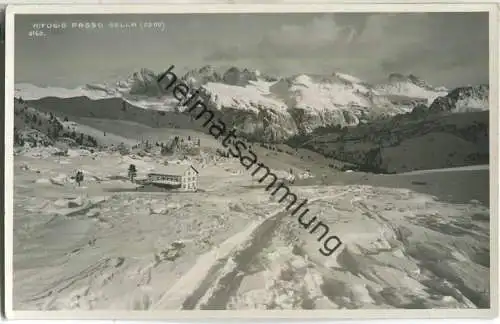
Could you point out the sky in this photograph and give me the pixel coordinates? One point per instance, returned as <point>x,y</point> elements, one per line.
<point>445,49</point>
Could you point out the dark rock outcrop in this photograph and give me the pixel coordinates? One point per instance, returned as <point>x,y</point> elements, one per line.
<point>462,99</point>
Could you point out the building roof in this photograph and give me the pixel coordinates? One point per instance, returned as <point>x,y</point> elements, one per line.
<point>173,169</point>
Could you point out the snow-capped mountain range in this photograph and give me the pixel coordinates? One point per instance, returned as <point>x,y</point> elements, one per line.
<point>276,108</point>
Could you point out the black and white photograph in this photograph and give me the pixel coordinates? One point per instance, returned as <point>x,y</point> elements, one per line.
<point>250,161</point>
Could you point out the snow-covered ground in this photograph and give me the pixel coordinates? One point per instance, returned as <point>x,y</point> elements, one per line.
<point>105,245</point>
<point>246,98</point>
<point>410,90</point>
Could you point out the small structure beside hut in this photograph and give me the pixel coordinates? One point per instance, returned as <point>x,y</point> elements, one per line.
<point>183,177</point>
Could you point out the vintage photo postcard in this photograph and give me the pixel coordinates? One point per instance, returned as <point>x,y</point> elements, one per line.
<point>251,161</point>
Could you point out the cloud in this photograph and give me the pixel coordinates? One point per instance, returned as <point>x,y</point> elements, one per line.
<point>291,41</point>
<point>321,31</point>
<point>442,48</point>
<point>373,46</point>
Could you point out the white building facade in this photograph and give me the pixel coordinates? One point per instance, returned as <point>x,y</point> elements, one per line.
<point>185,177</point>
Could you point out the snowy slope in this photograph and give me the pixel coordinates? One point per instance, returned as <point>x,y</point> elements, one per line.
<point>29,92</point>
<point>410,86</point>
<point>327,93</point>
<point>101,137</point>
<point>338,99</point>
<point>401,248</point>
<point>248,98</point>
<point>32,92</point>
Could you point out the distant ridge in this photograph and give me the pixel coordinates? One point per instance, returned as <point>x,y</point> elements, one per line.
<point>272,108</point>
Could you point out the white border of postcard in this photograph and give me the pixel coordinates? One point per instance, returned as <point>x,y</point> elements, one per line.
<point>252,8</point>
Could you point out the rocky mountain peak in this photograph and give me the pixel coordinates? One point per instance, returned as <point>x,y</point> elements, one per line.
<point>395,78</point>
<point>238,77</point>
<point>418,81</point>
<point>203,75</point>
<point>144,82</point>
<point>463,99</point>
<point>399,77</point>
<point>207,69</point>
